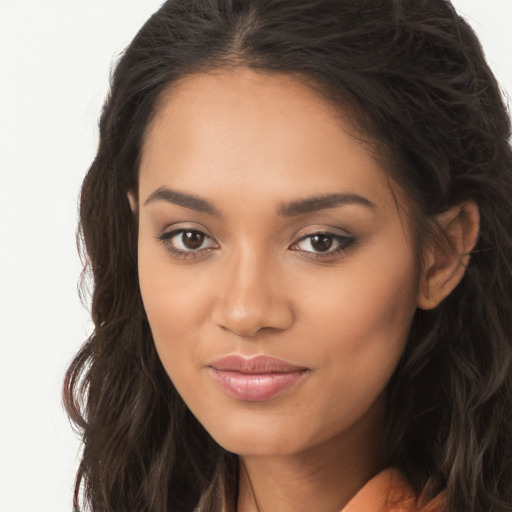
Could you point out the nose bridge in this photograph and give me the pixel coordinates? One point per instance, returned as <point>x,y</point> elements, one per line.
<point>249,297</point>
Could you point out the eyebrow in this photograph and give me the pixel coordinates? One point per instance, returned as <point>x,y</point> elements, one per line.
<point>189,201</point>
<point>291,209</point>
<point>322,202</point>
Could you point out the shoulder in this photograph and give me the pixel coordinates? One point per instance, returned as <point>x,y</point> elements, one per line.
<point>389,491</point>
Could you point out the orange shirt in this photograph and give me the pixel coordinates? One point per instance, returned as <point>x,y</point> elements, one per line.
<point>389,491</point>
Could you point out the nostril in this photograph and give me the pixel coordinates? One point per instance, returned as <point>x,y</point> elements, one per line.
<point>248,325</point>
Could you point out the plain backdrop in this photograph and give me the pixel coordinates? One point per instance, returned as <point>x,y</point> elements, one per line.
<point>55,57</point>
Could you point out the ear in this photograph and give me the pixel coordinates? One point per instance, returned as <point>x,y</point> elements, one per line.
<point>447,256</point>
<point>132,199</point>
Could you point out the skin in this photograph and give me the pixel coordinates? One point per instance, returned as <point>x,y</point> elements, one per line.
<point>248,143</point>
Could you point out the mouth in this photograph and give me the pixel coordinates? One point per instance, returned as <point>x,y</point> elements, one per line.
<point>256,379</point>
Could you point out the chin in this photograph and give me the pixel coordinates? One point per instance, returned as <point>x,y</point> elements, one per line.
<point>261,439</point>
<point>258,446</point>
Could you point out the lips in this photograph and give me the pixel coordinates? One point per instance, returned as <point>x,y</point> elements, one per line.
<point>255,379</point>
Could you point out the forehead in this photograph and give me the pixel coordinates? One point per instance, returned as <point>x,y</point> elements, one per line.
<point>267,134</point>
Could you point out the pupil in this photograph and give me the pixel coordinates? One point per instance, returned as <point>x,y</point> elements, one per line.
<point>193,239</point>
<point>321,243</point>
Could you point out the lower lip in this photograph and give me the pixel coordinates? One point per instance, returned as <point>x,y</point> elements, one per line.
<point>256,387</point>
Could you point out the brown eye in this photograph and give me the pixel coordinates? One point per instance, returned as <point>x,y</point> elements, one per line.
<point>193,239</point>
<point>321,243</point>
<point>187,243</point>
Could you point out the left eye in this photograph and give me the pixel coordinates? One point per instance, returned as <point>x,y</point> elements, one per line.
<point>319,243</point>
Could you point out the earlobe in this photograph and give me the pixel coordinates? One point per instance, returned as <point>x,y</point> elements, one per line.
<point>448,255</point>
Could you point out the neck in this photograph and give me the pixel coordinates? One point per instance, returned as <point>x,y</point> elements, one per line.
<point>324,477</point>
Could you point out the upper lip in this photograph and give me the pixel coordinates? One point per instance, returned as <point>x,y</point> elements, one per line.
<point>254,365</point>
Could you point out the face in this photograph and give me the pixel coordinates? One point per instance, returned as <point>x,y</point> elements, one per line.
<point>277,273</point>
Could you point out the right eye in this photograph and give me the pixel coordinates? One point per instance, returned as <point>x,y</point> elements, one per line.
<point>187,243</point>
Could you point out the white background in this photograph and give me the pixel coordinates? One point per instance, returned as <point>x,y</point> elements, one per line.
<point>55,57</point>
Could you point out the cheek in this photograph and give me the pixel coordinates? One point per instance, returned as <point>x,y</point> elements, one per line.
<point>360,311</point>
<point>358,336</point>
<point>351,325</point>
<point>174,302</point>
<point>362,319</point>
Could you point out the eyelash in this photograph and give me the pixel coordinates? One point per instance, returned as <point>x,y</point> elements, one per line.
<point>344,243</point>
<point>166,238</point>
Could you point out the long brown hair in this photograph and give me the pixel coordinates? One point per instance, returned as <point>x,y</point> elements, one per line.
<point>414,78</point>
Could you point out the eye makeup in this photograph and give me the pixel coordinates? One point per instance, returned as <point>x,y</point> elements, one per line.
<point>187,243</point>
<point>191,243</point>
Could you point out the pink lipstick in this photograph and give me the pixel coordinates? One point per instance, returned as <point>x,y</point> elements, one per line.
<point>256,379</point>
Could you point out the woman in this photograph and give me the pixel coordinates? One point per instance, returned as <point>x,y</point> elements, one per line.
<point>299,226</point>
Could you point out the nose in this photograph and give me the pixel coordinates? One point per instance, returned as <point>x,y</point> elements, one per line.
<point>251,297</point>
